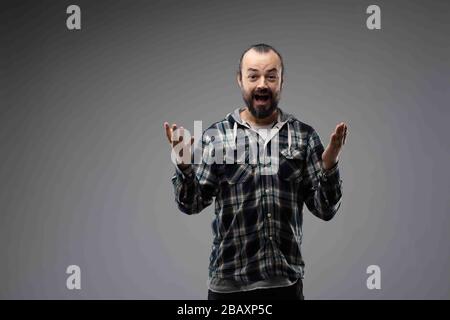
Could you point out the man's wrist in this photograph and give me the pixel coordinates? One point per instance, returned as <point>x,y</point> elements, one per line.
<point>328,167</point>
<point>183,167</point>
<point>185,170</point>
<point>328,170</point>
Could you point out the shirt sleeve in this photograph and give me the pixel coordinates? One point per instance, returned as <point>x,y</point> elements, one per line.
<point>321,189</point>
<point>196,185</point>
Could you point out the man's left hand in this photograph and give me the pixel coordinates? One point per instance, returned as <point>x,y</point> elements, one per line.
<point>337,139</point>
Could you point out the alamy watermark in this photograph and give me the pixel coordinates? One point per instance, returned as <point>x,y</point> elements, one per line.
<point>73,281</point>
<point>374,280</point>
<point>232,146</point>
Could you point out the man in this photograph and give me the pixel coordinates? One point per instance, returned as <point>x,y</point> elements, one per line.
<point>256,252</point>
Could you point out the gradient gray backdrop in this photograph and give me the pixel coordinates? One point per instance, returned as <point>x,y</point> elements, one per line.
<point>85,165</point>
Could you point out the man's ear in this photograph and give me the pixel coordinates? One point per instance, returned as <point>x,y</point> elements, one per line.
<point>239,80</point>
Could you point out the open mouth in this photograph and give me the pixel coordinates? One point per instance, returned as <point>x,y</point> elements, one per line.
<point>262,97</point>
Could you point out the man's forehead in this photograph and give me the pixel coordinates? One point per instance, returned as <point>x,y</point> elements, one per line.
<point>255,61</point>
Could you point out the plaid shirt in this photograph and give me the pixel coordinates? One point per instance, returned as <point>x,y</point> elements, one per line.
<point>257,230</point>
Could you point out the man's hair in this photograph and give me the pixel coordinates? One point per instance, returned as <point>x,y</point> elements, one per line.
<point>260,48</point>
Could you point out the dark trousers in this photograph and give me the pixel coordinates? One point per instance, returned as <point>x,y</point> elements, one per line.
<point>292,292</point>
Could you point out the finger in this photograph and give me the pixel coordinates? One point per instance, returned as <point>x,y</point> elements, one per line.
<point>340,128</point>
<point>337,140</point>
<point>174,127</point>
<point>168,132</point>
<point>345,135</point>
<point>180,134</point>
<point>342,135</point>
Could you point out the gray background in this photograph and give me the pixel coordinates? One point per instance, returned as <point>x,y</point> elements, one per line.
<point>85,166</point>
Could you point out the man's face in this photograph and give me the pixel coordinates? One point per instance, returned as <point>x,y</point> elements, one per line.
<point>261,82</point>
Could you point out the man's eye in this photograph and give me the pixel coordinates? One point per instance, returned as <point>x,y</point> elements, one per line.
<point>252,77</point>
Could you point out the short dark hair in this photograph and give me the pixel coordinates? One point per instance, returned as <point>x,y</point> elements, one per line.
<point>260,48</point>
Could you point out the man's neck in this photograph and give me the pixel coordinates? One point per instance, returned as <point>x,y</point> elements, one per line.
<point>248,117</point>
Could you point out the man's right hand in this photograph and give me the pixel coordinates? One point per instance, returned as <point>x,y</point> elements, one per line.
<point>170,129</point>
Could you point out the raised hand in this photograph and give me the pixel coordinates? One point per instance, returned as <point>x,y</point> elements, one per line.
<point>337,139</point>
<point>175,139</point>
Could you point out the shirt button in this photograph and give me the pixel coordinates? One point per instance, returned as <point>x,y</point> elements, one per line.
<point>269,215</point>
<point>270,238</point>
<point>266,191</point>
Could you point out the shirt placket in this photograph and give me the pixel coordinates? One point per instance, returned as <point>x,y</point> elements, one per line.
<point>265,186</point>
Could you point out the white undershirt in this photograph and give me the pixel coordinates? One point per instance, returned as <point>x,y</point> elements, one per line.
<point>262,130</point>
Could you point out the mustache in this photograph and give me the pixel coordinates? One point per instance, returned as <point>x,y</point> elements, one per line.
<point>263,92</point>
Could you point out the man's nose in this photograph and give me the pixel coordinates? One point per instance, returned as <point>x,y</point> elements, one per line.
<point>262,83</point>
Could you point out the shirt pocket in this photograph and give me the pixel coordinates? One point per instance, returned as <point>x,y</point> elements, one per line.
<point>291,164</point>
<point>237,173</point>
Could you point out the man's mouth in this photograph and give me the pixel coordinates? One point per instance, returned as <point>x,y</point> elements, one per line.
<point>261,98</point>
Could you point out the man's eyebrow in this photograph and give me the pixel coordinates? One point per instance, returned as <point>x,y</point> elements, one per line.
<point>251,69</point>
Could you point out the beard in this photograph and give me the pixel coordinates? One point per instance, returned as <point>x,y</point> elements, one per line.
<point>261,104</point>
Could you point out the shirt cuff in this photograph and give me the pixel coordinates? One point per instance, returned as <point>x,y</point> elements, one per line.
<point>326,174</point>
<point>185,174</point>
